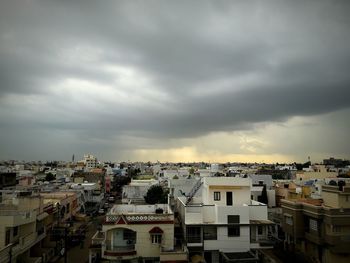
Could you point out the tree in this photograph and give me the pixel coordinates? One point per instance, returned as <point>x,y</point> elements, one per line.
<point>49,177</point>
<point>156,195</point>
<point>263,197</point>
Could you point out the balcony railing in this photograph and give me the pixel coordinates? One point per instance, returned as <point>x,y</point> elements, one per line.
<point>22,213</point>
<point>118,251</point>
<point>120,248</point>
<point>194,239</point>
<point>141,218</point>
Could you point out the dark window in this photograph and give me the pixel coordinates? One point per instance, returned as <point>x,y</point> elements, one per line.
<point>15,231</point>
<point>7,237</point>
<point>194,234</point>
<point>216,196</point>
<point>233,219</point>
<point>233,231</point>
<point>209,233</point>
<point>260,230</point>
<point>229,199</point>
<point>129,235</point>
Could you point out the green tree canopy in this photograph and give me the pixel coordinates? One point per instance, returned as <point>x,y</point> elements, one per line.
<point>156,195</point>
<point>50,177</point>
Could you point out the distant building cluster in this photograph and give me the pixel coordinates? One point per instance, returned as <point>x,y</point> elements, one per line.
<point>232,212</point>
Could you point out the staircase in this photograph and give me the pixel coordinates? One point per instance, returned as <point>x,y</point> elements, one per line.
<point>194,191</point>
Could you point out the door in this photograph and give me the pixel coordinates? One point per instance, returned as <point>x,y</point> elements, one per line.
<point>228,198</point>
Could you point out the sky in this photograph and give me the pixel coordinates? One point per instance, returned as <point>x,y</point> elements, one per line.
<point>214,81</point>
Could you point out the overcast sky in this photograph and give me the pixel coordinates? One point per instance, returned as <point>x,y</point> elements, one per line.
<point>175,80</point>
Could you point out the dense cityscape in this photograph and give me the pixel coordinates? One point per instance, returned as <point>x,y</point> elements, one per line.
<point>95,211</point>
<point>166,131</point>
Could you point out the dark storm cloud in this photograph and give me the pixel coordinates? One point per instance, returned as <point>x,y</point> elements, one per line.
<point>196,67</point>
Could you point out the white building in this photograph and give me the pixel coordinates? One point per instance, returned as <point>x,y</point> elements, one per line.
<point>90,161</point>
<point>224,223</point>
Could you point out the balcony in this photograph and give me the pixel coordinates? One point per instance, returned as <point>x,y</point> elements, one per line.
<point>338,243</point>
<point>118,251</point>
<point>259,243</point>
<point>314,237</point>
<point>17,217</point>
<point>194,241</point>
<point>24,243</point>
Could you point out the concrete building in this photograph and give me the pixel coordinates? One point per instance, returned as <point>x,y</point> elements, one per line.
<point>319,229</point>
<point>224,224</point>
<point>90,162</point>
<point>135,191</point>
<point>138,233</point>
<point>315,172</point>
<point>21,228</point>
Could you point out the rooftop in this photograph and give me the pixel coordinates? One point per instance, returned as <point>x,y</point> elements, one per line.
<point>140,209</point>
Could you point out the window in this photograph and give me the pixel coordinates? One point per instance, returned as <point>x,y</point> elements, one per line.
<point>156,238</point>
<point>233,219</point>
<point>129,234</point>
<point>194,234</point>
<point>15,231</point>
<point>260,230</point>
<point>233,231</point>
<point>217,196</point>
<point>313,224</point>
<point>210,233</point>
<point>7,237</point>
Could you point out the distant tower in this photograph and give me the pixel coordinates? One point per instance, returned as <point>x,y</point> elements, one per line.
<point>73,158</point>
<point>309,159</point>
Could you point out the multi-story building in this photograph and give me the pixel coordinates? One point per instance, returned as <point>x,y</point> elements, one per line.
<point>319,229</point>
<point>90,162</point>
<point>22,227</point>
<point>67,203</point>
<point>223,224</point>
<point>315,172</point>
<point>138,233</point>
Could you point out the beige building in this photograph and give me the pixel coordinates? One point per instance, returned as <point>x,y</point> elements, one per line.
<point>22,228</point>
<point>320,229</point>
<point>315,172</point>
<point>67,202</point>
<point>138,232</point>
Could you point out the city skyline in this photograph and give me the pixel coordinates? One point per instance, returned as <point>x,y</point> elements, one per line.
<point>186,81</point>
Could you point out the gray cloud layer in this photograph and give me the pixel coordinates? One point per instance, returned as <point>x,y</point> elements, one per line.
<point>100,71</point>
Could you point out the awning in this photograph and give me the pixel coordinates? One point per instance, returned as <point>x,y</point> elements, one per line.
<point>156,230</point>
<point>42,216</point>
<point>261,222</point>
